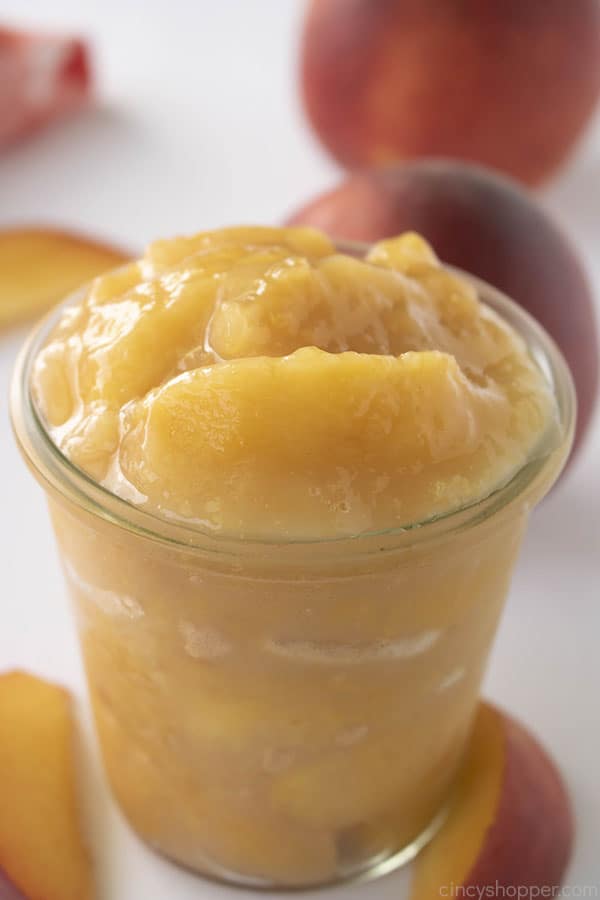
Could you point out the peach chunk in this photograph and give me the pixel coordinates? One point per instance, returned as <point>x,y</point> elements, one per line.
<point>42,852</point>
<point>510,821</point>
<point>40,266</point>
<point>209,447</point>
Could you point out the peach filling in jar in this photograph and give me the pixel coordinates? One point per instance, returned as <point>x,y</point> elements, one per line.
<point>292,708</point>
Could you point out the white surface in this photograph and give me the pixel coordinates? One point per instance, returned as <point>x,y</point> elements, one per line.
<point>200,127</point>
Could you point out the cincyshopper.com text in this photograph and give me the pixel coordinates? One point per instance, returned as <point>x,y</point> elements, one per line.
<point>499,891</point>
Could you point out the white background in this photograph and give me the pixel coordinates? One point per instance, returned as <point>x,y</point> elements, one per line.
<point>199,126</point>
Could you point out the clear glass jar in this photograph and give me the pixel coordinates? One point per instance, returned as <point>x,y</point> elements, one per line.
<point>286,714</point>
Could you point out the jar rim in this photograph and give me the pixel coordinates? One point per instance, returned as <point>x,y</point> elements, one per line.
<point>57,473</point>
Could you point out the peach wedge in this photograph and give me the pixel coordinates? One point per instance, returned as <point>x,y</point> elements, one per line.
<point>42,852</point>
<point>510,822</point>
<point>41,266</point>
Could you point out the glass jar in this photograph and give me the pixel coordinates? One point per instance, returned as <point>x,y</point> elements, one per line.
<point>287,714</point>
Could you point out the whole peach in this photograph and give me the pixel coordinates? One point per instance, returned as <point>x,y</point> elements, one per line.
<point>483,223</point>
<point>508,84</point>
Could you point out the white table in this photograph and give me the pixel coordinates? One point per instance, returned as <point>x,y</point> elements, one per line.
<point>201,126</point>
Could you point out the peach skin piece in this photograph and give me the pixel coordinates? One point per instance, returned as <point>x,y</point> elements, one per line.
<point>44,78</point>
<point>42,851</point>
<point>510,821</point>
<point>41,266</point>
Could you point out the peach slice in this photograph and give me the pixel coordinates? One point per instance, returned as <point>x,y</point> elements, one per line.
<point>40,266</point>
<point>510,822</point>
<point>44,77</point>
<point>42,853</point>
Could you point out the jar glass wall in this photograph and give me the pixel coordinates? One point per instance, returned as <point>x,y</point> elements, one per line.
<point>286,714</point>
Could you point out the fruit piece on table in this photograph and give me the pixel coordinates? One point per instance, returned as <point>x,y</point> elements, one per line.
<point>44,77</point>
<point>42,853</point>
<point>487,225</point>
<point>510,822</point>
<point>511,84</point>
<point>41,266</point>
